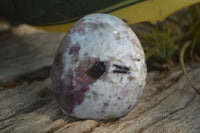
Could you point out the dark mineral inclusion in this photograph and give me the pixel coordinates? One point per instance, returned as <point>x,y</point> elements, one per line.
<point>96,70</point>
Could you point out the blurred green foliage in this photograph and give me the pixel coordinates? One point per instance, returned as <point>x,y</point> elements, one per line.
<point>180,35</point>
<point>164,42</point>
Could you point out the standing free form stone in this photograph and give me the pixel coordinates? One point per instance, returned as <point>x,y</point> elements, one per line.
<point>99,70</point>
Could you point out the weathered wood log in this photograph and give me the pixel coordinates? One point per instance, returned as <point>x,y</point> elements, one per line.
<point>27,104</point>
<point>26,49</point>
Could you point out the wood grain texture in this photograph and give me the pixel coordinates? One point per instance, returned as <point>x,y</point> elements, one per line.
<point>168,104</point>
<point>26,49</point>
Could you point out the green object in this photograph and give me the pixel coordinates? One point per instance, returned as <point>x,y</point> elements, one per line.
<point>47,12</point>
<point>60,15</point>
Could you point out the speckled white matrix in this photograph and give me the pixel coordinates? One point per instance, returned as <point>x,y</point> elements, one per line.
<point>99,70</point>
